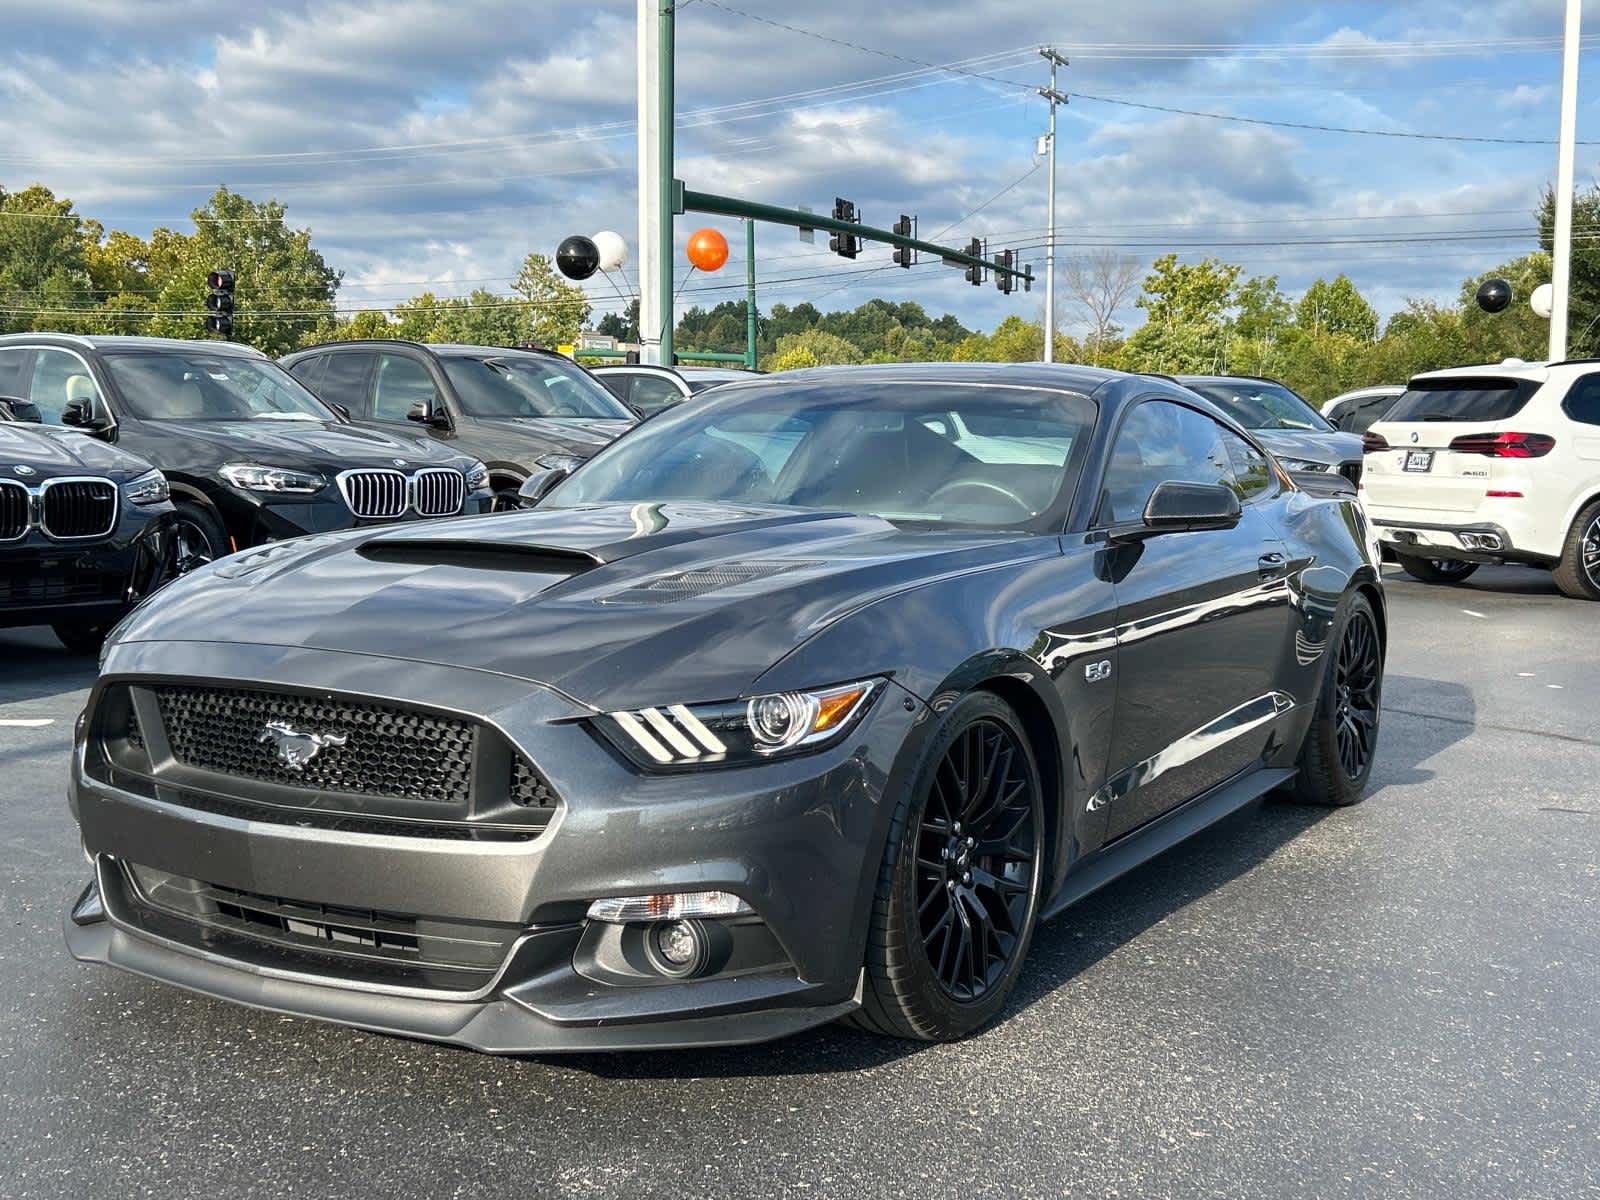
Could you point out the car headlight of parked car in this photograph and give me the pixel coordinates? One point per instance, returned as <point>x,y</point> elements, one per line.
<point>253,477</point>
<point>477,477</point>
<point>1303,464</point>
<point>740,732</point>
<point>149,488</point>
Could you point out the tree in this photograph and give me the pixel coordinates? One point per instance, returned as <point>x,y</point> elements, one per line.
<point>1099,284</point>
<point>556,310</point>
<point>1187,328</point>
<point>624,326</point>
<point>813,348</point>
<point>1584,297</point>
<point>1337,307</point>
<point>43,269</point>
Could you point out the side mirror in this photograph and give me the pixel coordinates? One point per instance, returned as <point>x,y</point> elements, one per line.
<point>80,414</point>
<point>539,485</point>
<point>425,414</point>
<point>1176,507</point>
<point>18,409</point>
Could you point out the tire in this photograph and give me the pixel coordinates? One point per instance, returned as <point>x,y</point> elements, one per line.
<point>1578,572</point>
<point>506,500</point>
<point>197,537</point>
<point>1436,570</point>
<point>83,639</point>
<point>1345,705</point>
<point>907,994</point>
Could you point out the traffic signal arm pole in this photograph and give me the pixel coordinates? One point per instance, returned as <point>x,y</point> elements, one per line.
<point>667,117</point>
<point>729,206</point>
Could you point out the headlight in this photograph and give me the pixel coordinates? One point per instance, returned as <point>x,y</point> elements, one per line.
<point>740,732</point>
<point>560,462</point>
<point>477,477</point>
<point>149,488</point>
<point>253,477</point>
<point>1304,464</point>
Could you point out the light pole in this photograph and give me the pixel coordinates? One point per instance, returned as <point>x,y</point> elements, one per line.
<point>1560,306</point>
<point>1055,98</point>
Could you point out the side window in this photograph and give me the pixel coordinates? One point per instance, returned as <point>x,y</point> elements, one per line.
<point>12,383</point>
<point>1583,401</point>
<point>652,393</point>
<point>615,382</point>
<point>60,377</point>
<point>1161,441</point>
<point>1252,473</point>
<point>309,372</point>
<point>344,380</point>
<point>402,381</point>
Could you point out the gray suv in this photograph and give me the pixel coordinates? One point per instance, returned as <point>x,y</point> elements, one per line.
<point>1298,435</point>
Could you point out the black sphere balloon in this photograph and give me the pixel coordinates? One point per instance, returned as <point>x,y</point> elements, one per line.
<point>578,257</point>
<point>1494,296</point>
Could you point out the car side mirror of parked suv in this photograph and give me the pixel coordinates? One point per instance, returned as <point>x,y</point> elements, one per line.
<point>539,485</point>
<point>18,409</point>
<point>1179,507</point>
<point>424,414</point>
<point>81,414</point>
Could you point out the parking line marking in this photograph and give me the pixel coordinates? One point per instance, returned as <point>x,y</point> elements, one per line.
<point>1524,674</point>
<point>26,722</point>
<point>1470,613</point>
<point>1555,687</point>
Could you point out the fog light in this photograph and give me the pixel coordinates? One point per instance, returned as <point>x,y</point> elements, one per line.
<point>678,948</point>
<point>668,906</point>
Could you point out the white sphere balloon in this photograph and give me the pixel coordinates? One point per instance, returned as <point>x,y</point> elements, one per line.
<point>613,250</point>
<point>1543,300</point>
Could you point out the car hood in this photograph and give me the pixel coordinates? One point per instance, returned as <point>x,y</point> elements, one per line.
<point>614,605</point>
<point>553,435</point>
<point>310,445</point>
<point>1313,445</point>
<point>49,453</point>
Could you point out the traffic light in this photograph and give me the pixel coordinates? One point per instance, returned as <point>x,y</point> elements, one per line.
<point>974,271</point>
<point>904,256</point>
<point>845,245</point>
<point>219,303</point>
<point>1003,278</point>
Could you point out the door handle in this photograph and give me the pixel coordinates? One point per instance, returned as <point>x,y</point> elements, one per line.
<point>1271,565</point>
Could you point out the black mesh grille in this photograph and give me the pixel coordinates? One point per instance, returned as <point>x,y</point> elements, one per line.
<point>1352,472</point>
<point>13,510</point>
<point>80,508</point>
<point>529,788</point>
<point>57,586</point>
<point>386,751</point>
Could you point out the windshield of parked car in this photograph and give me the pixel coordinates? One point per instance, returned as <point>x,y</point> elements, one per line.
<point>1260,405</point>
<point>192,385</point>
<point>941,453</point>
<point>527,385</point>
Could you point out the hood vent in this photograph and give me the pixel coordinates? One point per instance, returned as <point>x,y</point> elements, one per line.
<point>683,585</point>
<point>481,556</point>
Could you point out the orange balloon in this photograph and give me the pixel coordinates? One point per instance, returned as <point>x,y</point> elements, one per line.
<point>708,249</point>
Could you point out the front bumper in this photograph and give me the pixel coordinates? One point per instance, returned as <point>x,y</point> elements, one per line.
<point>799,840</point>
<point>252,519</point>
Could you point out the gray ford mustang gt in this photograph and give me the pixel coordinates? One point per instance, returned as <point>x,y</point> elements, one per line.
<point>805,700</point>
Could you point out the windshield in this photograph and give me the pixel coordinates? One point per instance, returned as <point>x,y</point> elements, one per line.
<point>1259,405</point>
<point>185,385</point>
<point>1463,400</point>
<point>943,453</point>
<point>527,385</point>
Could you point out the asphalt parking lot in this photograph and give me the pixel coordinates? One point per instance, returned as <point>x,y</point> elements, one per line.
<point>1400,999</point>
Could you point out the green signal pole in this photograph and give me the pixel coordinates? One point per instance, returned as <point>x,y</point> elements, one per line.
<point>750,293</point>
<point>667,118</point>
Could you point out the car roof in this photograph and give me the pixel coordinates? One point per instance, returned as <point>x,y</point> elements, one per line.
<point>1055,376</point>
<point>1186,380</point>
<point>99,341</point>
<point>1511,368</point>
<point>443,349</point>
<point>719,372</point>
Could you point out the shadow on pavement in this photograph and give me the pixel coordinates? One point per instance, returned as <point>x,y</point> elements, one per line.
<point>33,665</point>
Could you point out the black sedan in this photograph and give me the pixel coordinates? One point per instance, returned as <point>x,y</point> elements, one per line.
<point>805,702</point>
<point>251,456</point>
<point>84,530</point>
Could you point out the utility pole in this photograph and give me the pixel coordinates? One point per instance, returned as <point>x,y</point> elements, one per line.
<point>1562,282</point>
<point>750,293</point>
<point>651,172</point>
<point>1055,98</point>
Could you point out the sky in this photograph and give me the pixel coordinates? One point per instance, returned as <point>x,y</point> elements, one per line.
<point>431,144</point>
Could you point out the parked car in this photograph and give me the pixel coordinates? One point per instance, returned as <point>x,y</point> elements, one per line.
<point>801,701</point>
<point>648,390</point>
<point>1354,412</point>
<point>1286,424</point>
<point>515,410</point>
<point>250,455</point>
<point>1495,464</point>
<point>84,530</point>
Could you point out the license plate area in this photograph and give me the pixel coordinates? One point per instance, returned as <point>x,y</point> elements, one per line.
<point>1419,461</point>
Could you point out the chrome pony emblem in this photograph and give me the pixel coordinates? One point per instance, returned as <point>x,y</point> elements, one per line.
<point>296,749</point>
<point>20,469</point>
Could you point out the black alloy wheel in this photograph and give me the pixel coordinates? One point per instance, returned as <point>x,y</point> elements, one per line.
<point>1577,573</point>
<point>1357,677</point>
<point>197,538</point>
<point>975,855</point>
<point>962,879</point>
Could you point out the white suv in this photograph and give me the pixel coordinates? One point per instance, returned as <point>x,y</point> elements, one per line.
<point>1492,464</point>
